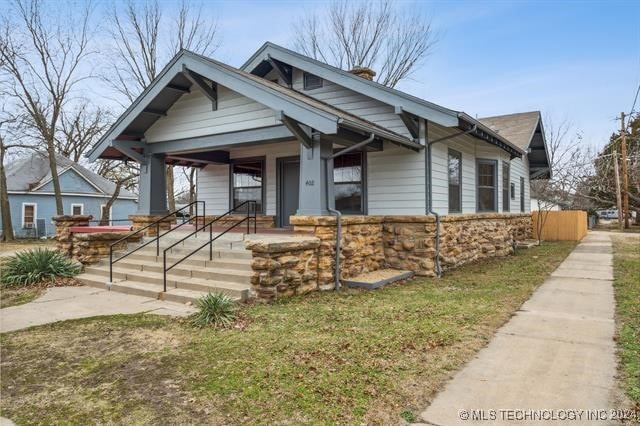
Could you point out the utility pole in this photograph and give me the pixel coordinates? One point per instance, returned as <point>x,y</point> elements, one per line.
<point>625,176</point>
<point>618,198</point>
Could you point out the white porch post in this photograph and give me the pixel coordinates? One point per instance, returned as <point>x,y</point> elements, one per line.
<point>315,181</point>
<point>152,186</point>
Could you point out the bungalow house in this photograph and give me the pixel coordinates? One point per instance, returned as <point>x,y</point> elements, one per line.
<point>32,199</point>
<point>306,141</point>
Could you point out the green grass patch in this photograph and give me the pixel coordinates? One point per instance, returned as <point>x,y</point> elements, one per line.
<point>627,292</point>
<point>325,358</point>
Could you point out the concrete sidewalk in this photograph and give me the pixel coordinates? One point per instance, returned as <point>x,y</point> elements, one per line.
<point>64,303</point>
<point>557,353</point>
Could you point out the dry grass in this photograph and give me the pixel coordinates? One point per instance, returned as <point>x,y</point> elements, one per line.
<point>350,357</point>
<point>25,244</point>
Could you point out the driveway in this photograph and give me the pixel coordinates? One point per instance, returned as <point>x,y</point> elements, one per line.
<point>553,362</point>
<point>65,303</point>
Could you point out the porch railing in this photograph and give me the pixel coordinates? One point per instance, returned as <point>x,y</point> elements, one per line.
<point>155,224</point>
<point>251,214</point>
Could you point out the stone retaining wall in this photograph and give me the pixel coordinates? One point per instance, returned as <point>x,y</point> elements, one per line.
<point>63,236</point>
<point>91,247</point>
<point>87,247</point>
<point>140,221</point>
<point>283,266</point>
<point>361,245</point>
<point>408,242</point>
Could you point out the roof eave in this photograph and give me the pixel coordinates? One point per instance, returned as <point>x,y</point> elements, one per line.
<point>500,141</point>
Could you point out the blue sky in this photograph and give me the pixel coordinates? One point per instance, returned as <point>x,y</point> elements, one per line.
<point>574,60</point>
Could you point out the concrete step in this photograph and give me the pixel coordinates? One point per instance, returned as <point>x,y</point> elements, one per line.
<point>136,260</point>
<point>173,294</point>
<point>193,242</point>
<point>218,251</point>
<point>152,272</point>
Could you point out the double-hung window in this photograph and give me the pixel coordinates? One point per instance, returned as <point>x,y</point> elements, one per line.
<point>348,183</point>
<point>506,178</point>
<point>247,183</point>
<point>29,215</point>
<point>487,187</point>
<point>454,167</point>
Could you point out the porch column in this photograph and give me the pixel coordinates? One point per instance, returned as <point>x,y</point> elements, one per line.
<point>152,186</point>
<point>314,180</point>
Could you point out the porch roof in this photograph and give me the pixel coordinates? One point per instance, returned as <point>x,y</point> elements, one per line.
<point>125,139</point>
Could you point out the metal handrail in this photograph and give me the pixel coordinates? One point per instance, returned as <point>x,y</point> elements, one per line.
<point>248,218</point>
<point>158,235</point>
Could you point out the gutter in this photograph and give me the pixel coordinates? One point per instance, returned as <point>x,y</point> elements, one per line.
<point>336,213</point>
<point>430,191</point>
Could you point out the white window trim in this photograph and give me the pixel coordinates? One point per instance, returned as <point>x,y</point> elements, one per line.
<point>76,205</point>
<point>35,213</point>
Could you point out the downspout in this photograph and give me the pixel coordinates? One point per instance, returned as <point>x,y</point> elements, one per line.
<point>335,212</point>
<point>430,191</point>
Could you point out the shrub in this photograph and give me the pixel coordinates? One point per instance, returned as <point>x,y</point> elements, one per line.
<point>215,309</point>
<point>35,266</point>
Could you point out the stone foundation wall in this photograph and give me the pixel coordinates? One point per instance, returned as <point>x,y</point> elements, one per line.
<point>361,245</point>
<point>409,243</point>
<point>91,247</point>
<point>284,266</point>
<point>63,236</point>
<point>140,221</point>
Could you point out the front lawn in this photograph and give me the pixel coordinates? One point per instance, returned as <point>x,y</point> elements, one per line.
<point>627,291</point>
<point>348,357</point>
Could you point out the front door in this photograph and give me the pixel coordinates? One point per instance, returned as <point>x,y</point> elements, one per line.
<point>288,187</point>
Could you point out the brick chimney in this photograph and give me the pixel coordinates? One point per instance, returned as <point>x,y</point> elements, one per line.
<point>364,72</point>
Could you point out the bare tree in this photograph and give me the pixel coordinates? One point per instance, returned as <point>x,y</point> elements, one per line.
<point>40,60</point>
<point>361,33</point>
<point>124,175</point>
<point>80,129</point>
<point>142,50</point>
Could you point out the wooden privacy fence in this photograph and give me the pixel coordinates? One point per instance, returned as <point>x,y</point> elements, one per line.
<point>565,225</point>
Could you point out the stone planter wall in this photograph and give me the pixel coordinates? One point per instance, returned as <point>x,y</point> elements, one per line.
<point>91,247</point>
<point>283,266</point>
<point>361,245</point>
<point>63,236</point>
<point>140,221</point>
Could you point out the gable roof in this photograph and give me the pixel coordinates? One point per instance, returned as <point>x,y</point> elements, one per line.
<point>160,95</point>
<point>32,172</point>
<point>518,128</point>
<point>526,131</point>
<point>396,98</point>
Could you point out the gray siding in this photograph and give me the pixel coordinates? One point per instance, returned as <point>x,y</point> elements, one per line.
<point>471,150</point>
<point>213,180</point>
<point>192,116</point>
<point>353,102</point>
<point>396,181</point>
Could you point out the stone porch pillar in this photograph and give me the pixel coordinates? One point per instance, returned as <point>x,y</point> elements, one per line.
<point>64,237</point>
<point>316,179</point>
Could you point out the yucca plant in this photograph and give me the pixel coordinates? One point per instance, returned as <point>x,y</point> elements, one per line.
<point>215,309</point>
<point>35,266</point>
